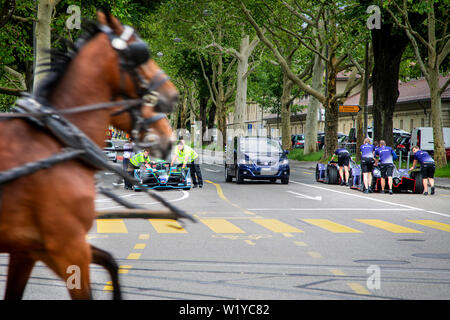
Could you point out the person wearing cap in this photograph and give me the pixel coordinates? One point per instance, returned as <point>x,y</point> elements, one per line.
<point>367,160</point>
<point>386,158</point>
<point>343,163</point>
<point>427,168</point>
<point>187,156</point>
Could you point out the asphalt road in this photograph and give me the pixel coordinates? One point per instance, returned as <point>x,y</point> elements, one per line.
<point>259,240</point>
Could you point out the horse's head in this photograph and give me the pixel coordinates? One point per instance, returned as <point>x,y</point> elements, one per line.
<point>138,76</point>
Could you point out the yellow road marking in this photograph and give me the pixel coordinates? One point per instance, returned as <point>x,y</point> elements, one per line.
<point>331,226</point>
<point>111,226</point>
<point>337,272</point>
<point>222,196</point>
<point>358,288</point>
<point>108,286</point>
<point>387,226</point>
<point>314,254</point>
<point>432,224</point>
<point>167,226</point>
<point>144,236</point>
<point>308,172</point>
<point>276,225</point>
<point>124,268</point>
<point>288,235</point>
<point>250,242</point>
<point>221,226</point>
<point>139,246</point>
<point>300,244</point>
<point>134,256</point>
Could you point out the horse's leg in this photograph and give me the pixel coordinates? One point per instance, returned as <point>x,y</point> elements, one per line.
<point>106,260</point>
<point>19,270</point>
<point>71,263</point>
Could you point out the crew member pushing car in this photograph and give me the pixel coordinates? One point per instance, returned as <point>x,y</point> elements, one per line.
<point>187,156</point>
<point>427,168</point>
<point>343,162</point>
<point>139,160</point>
<point>386,158</point>
<point>367,161</point>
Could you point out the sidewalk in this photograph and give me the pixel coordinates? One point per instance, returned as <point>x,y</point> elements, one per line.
<point>441,183</point>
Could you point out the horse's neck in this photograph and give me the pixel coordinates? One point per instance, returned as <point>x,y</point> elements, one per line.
<point>84,84</point>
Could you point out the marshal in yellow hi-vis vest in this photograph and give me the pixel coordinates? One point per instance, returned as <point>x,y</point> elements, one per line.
<point>186,155</point>
<point>139,159</point>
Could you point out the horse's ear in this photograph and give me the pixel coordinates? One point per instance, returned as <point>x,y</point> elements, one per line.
<point>101,18</point>
<point>105,17</point>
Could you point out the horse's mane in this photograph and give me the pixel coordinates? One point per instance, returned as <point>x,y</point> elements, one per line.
<point>61,58</point>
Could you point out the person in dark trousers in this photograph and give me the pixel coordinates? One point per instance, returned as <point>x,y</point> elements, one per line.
<point>367,161</point>
<point>386,158</point>
<point>427,168</point>
<point>128,153</point>
<point>188,157</point>
<point>343,163</point>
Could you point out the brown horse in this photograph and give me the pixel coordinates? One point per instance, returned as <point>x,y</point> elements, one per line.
<point>45,216</point>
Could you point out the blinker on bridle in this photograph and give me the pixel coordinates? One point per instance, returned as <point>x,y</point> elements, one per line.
<point>131,56</point>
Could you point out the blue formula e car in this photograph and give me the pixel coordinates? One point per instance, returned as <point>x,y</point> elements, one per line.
<point>162,176</point>
<point>403,180</point>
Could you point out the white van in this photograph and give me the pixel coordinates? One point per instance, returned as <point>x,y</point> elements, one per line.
<point>423,137</point>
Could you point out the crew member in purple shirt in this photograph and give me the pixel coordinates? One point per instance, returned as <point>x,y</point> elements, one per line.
<point>343,162</point>
<point>386,158</point>
<point>427,168</point>
<point>367,161</point>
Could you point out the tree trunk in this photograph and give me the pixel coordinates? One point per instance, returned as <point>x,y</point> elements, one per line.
<point>43,37</point>
<point>286,113</point>
<point>313,107</point>
<point>241,88</point>
<point>388,48</point>
<point>436,116</point>
<point>331,112</point>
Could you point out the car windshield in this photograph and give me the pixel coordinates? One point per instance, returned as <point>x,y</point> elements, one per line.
<point>258,145</point>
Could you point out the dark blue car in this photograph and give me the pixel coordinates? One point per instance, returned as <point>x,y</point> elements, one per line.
<point>256,158</point>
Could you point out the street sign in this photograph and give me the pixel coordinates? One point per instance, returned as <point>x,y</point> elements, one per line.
<point>349,108</point>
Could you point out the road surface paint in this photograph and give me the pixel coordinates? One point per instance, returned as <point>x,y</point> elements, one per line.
<point>387,226</point>
<point>111,226</point>
<point>331,226</point>
<point>221,226</point>
<point>167,226</point>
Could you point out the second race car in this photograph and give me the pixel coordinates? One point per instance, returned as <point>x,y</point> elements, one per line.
<point>402,179</point>
<point>162,176</point>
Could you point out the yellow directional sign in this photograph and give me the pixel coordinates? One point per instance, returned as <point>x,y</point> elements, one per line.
<point>349,108</point>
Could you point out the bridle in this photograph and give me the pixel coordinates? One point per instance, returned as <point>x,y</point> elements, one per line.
<point>131,57</point>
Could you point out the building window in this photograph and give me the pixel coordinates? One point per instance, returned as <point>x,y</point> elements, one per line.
<point>411,124</point>
<point>401,124</point>
<point>422,122</point>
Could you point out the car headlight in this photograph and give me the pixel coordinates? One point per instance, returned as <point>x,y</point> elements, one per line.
<point>244,161</point>
<point>285,161</point>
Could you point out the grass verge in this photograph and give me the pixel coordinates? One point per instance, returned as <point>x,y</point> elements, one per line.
<point>297,154</point>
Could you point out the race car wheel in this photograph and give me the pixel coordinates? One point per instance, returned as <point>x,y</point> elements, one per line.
<point>332,175</point>
<point>419,182</point>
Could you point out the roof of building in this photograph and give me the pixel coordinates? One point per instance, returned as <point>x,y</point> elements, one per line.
<point>411,91</point>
